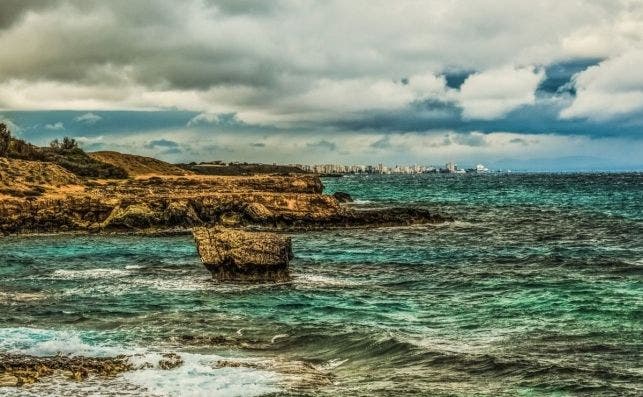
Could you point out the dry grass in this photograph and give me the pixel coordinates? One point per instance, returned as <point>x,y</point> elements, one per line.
<point>138,165</point>
<point>21,178</point>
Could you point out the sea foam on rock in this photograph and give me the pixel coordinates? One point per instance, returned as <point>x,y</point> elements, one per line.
<point>236,255</point>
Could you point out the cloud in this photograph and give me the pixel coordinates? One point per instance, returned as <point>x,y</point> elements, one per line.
<point>519,141</point>
<point>88,118</point>
<point>258,144</point>
<point>322,144</point>
<point>470,139</point>
<point>58,126</point>
<point>161,143</point>
<point>383,143</point>
<point>228,119</point>
<point>279,63</point>
<point>493,93</point>
<point>558,76</point>
<point>612,88</point>
<point>400,81</point>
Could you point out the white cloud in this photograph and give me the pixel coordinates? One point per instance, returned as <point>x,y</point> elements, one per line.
<point>88,140</point>
<point>613,87</point>
<point>88,118</point>
<point>55,126</point>
<point>281,63</point>
<point>493,93</point>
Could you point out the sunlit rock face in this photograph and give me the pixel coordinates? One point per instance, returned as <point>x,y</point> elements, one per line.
<point>241,256</point>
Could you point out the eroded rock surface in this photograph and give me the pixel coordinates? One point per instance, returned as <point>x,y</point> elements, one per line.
<point>235,255</point>
<point>18,369</point>
<point>343,197</point>
<point>171,203</point>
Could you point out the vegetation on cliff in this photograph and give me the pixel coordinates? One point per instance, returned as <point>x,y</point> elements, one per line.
<point>235,168</point>
<point>65,153</point>
<point>138,165</point>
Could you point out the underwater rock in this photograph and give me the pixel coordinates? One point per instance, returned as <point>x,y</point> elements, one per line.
<point>343,197</point>
<point>235,255</point>
<point>22,369</point>
<point>170,361</point>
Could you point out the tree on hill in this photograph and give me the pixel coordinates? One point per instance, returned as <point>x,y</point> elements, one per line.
<point>5,139</point>
<point>66,144</point>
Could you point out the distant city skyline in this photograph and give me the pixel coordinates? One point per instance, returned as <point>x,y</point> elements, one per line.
<point>450,167</point>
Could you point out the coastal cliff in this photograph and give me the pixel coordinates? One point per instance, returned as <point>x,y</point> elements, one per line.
<point>41,197</point>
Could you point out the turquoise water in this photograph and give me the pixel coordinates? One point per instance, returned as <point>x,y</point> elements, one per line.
<point>534,290</point>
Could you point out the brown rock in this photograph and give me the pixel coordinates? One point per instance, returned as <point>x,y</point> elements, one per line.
<point>235,255</point>
<point>170,361</point>
<point>343,197</point>
<point>7,380</point>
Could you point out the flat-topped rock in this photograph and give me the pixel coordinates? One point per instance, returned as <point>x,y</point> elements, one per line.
<point>236,255</point>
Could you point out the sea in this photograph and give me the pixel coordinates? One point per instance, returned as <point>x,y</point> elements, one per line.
<point>534,289</point>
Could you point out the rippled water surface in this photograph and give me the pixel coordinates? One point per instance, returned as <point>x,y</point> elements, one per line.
<point>534,290</point>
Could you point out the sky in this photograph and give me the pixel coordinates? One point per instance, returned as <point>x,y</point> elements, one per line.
<point>528,85</point>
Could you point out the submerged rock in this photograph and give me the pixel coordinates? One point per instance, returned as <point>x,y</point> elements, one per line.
<point>20,369</point>
<point>343,197</point>
<point>235,255</point>
<point>170,361</point>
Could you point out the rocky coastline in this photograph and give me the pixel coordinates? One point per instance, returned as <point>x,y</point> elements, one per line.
<point>166,203</point>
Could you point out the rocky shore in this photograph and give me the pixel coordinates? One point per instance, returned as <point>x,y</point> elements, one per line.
<point>231,216</point>
<point>21,369</point>
<point>165,202</point>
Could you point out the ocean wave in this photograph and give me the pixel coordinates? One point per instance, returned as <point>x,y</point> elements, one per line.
<point>362,202</point>
<point>322,281</point>
<point>134,267</point>
<point>89,273</point>
<point>198,375</point>
<point>15,297</point>
<point>42,342</point>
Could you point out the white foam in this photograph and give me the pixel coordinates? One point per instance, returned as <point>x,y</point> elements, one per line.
<point>41,342</point>
<point>453,224</point>
<point>277,337</point>
<point>133,267</point>
<point>316,280</point>
<point>197,376</point>
<point>362,202</point>
<point>89,273</point>
<point>332,364</point>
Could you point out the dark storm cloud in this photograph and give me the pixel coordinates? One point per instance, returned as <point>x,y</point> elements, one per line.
<point>161,143</point>
<point>244,7</point>
<point>322,144</point>
<point>12,11</point>
<point>540,118</point>
<point>141,40</point>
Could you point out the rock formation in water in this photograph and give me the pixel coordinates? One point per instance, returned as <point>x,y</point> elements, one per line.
<point>20,369</point>
<point>235,255</point>
<point>343,197</point>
